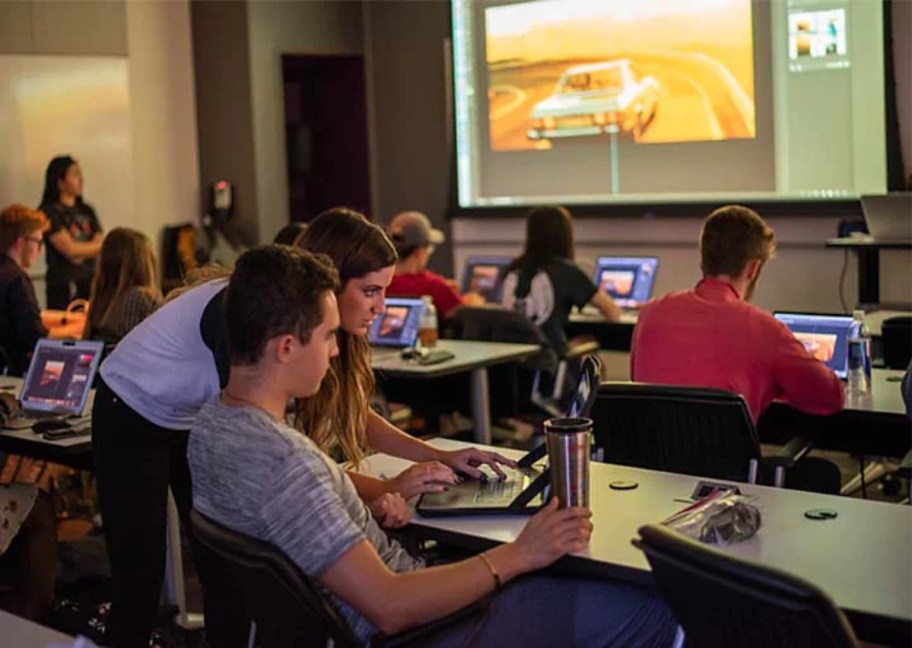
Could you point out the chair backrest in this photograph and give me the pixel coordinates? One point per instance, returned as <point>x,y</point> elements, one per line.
<point>690,430</point>
<point>489,324</point>
<point>289,608</point>
<point>721,600</point>
<point>896,335</point>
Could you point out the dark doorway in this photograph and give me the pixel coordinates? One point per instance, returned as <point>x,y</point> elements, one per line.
<point>326,134</point>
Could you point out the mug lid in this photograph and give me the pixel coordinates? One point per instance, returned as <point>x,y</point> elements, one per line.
<point>568,425</point>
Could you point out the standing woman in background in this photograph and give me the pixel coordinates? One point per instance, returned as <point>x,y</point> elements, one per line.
<point>75,236</point>
<point>125,289</point>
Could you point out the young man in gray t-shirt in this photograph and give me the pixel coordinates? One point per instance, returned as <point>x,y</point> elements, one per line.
<point>255,474</point>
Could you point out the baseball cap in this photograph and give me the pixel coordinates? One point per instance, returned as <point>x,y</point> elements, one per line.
<point>413,228</point>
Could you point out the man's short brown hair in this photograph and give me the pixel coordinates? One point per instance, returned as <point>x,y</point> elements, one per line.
<point>19,220</point>
<point>733,236</point>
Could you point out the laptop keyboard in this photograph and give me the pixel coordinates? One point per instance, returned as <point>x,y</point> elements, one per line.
<point>500,490</point>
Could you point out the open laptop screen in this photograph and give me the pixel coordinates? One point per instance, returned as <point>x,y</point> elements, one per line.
<point>398,326</point>
<point>628,280</point>
<point>824,336</point>
<point>484,275</point>
<point>60,375</point>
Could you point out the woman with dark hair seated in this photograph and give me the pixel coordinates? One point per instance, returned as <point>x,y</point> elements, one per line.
<point>545,283</point>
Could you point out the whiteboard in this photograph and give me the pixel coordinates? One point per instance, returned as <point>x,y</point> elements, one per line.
<point>67,105</point>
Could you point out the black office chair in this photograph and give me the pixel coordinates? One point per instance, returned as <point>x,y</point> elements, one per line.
<point>720,600</point>
<point>553,374</point>
<point>896,338</point>
<point>285,607</point>
<point>689,430</point>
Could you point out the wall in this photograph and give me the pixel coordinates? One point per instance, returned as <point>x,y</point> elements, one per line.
<point>165,161</point>
<point>276,28</point>
<point>404,52</point>
<point>221,60</point>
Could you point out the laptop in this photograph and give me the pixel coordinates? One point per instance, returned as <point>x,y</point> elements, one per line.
<point>524,490</point>
<point>628,280</point>
<point>824,336</point>
<point>484,275</point>
<point>398,326</point>
<point>889,217</point>
<point>58,381</point>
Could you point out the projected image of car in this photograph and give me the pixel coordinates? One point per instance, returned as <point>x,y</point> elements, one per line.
<point>594,99</point>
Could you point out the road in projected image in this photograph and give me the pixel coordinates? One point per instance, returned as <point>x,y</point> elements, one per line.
<point>646,71</point>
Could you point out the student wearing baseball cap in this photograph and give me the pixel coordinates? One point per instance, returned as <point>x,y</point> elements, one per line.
<point>415,238</point>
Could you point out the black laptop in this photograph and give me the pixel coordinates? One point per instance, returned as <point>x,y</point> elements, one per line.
<point>524,490</point>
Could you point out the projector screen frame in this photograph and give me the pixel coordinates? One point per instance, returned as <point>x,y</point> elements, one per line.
<point>787,207</point>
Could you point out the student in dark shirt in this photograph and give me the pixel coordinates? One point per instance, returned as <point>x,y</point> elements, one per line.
<point>545,283</point>
<point>74,237</point>
<point>125,289</point>
<point>20,317</point>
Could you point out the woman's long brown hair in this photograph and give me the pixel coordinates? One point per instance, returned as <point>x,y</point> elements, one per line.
<point>337,416</point>
<point>126,262</point>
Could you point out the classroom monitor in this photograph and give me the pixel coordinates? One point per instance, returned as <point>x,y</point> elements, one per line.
<point>646,101</point>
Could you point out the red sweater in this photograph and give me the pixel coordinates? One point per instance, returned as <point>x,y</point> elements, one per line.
<point>710,337</point>
<point>426,283</point>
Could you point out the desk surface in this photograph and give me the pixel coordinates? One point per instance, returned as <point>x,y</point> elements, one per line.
<point>866,242</point>
<point>861,558</point>
<point>23,633</point>
<point>74,452</point>
<point>885,396</point>
<point>628,318</point>
<point>469,355</point>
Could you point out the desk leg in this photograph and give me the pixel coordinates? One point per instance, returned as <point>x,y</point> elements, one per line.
<point>174,571</point>
<point>481,408</point>
<point>868,276</point>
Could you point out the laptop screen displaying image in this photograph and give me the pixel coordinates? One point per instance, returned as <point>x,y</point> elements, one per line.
<point>628,280</point>
<point>824,336</point>
<point>484,275</point>
<point>398,326</point>
<point>60,376</point>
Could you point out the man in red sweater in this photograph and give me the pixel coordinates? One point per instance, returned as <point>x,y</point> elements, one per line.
<point>711,336</point>
<point>415,238</point>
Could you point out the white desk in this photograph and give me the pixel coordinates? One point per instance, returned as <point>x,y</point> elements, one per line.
<point>470,356</point>
<point>862,559</point>
<point>22,633</point>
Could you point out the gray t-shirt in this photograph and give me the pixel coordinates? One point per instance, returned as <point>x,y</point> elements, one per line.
<point>266,480</point>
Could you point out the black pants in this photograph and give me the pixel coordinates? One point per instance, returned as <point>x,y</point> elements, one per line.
<point>135,463</point>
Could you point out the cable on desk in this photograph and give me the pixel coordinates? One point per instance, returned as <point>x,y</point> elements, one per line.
<point>842,276</point>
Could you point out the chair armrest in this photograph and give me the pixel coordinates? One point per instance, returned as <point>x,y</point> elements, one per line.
<point>421,635</point>
<point>581,348</point>
<point>792,452</point>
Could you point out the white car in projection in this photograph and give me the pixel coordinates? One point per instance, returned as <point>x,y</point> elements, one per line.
<point>594,99</point>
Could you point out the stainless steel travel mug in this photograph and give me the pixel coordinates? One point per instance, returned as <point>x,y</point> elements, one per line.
<point>569,441</point>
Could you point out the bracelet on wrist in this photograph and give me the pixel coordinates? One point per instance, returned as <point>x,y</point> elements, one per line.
<point>498,584</point>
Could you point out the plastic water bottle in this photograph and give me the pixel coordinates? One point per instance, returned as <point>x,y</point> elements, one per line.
<point>427,325</point>
<point>859,375</point>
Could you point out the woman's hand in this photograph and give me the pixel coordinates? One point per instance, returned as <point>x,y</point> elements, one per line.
<point>390,511</point>
<point>552,533</point>
<point>467,461</point>
<point>426,477</point>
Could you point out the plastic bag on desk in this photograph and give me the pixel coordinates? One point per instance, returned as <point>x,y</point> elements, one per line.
<point>720,518</point>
